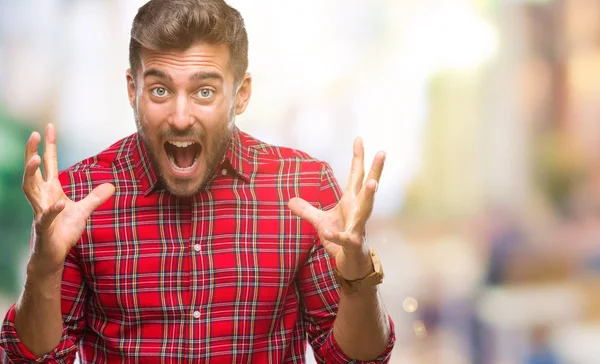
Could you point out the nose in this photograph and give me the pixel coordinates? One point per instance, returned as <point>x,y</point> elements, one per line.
<point>181,118</point>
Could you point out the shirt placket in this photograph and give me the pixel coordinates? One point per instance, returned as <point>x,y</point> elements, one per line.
<point>196,252</point>
<point>184,285</point>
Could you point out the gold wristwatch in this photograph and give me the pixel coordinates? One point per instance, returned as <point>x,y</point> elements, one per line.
<point>373,279</point>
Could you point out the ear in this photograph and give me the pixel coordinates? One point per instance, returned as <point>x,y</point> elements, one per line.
<point>243,95</point>
<point>131,89</point>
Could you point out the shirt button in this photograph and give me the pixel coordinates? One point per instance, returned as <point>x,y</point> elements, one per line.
<point>196,314</point>
<point>197,247</point>
<point>224,172</point>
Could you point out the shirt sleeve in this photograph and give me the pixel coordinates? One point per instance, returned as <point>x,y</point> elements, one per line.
<point>73,291</point>
<point>320,291</point>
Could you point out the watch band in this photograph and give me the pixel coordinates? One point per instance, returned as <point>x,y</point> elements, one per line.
<point>371,280</point>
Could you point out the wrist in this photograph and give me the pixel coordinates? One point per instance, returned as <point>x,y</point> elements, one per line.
<point>38,268</point>
<point>42,283</point>
<point>370,279</point>
<point>357,263</point>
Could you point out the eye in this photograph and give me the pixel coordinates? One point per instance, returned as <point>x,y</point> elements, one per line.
<point>159,91</point>
<point>205,93</point>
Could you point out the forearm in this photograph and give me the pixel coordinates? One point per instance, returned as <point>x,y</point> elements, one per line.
<point>38,318</point>
<point>361,328</point>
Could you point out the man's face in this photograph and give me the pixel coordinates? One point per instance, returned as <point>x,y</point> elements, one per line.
<point>185,104</point>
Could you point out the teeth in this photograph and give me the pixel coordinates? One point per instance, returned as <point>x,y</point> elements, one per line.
<point>181,144</point>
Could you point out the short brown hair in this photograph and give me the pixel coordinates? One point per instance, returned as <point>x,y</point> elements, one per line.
<point>177,24</point>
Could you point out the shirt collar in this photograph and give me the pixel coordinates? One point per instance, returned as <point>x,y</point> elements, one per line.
<point>237,158</point>
<point>144,168</point>
<point>239,154</point>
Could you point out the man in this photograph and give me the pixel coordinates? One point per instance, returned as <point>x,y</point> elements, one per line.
<point>191,241</point>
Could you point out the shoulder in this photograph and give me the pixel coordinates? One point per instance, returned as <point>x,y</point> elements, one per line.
<point>294,172</point>
<point>266,157</point>
<point>104,167</point>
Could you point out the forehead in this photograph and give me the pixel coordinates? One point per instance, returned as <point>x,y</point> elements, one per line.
<point>198,57</point>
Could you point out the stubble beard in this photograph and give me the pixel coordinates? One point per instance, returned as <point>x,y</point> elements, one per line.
<point>213,154</point>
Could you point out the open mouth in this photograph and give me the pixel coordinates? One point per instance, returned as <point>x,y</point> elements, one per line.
<point>183,154</point>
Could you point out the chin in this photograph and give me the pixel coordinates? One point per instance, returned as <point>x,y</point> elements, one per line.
<point>181,190</point>
<point>183,187</point>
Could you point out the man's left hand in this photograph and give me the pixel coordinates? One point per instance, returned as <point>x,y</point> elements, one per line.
<point>342,229</point>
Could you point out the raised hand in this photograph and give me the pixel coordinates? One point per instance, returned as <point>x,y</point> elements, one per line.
<point>342,229</point>
<point>58,221</point>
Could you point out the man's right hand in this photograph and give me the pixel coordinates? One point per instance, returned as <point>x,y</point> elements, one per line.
<point>58,221</point>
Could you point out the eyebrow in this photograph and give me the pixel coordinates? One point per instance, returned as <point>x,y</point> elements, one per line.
<point>156,73</point>
<point>198,76</point>
<point>205,75</point>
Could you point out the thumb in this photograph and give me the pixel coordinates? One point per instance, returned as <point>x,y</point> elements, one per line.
<point>97,197</point>
<point>305,210</point>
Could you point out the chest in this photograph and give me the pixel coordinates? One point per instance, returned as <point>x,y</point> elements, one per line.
<point>167,257</point>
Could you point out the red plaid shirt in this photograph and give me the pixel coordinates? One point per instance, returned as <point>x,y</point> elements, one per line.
<point>229,275</point>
